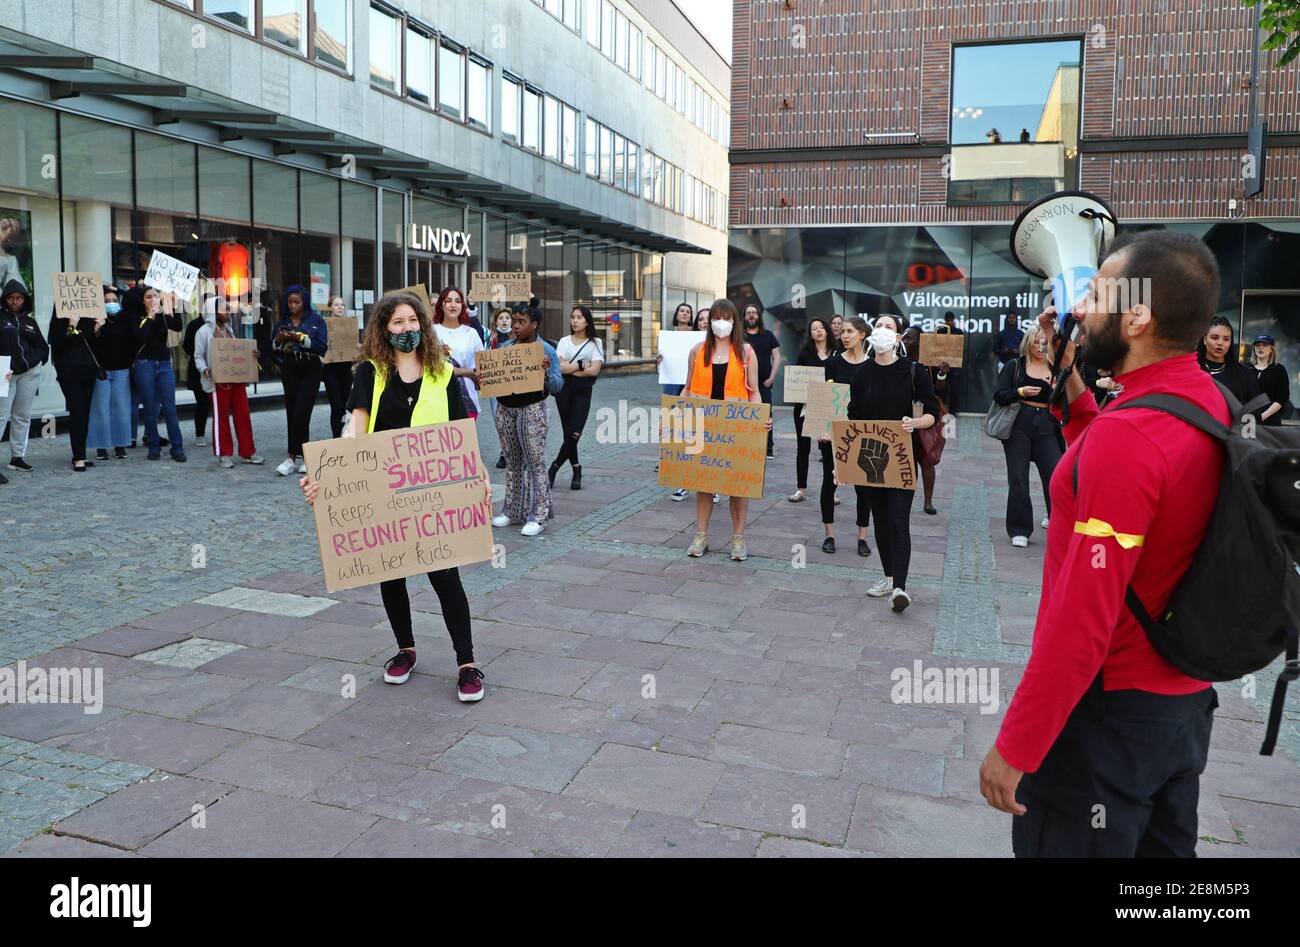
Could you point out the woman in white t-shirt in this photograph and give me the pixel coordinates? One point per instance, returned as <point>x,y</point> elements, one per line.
<point>581,359</point>
<point>451,323</point>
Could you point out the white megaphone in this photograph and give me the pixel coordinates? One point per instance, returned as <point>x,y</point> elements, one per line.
<point>1061,237</point>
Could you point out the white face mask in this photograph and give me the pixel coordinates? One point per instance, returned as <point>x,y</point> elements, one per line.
<point>721,327</point>
<point>883,339</point>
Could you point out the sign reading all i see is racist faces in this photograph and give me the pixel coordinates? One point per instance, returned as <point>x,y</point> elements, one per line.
<point>399,503</point>
<point>713,446</point>
<point>512,370</point>
<point>873,454</point>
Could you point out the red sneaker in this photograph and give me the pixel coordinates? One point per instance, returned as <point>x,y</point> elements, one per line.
<point>399,667</point>
<point>469,685</point>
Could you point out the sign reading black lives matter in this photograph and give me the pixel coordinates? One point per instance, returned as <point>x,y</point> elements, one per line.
<point>399,503</point>
<point>873,454</point>
<point>78,296</point>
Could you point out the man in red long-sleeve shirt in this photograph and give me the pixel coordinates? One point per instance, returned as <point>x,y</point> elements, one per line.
<point>1103,745</point>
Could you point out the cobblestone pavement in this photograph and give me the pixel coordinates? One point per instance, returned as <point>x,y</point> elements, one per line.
<point>638,703</point>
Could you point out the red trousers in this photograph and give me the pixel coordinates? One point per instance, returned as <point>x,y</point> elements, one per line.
<point>228,400</point>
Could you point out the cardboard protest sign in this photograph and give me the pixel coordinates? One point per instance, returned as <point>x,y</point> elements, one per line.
<point>399,503</point>
<point>827,401</point>
<point>498,288</point>
<point>713,446</point>
<point>939,347</point>
<point>345,343</point>
<point>418,290</point>
<point>797,378</point>
<point>233,361</point>
<point>170,275</point>
<point>873,454</point>
<point>4,370</point>
<point>513,370</point>
<point>675,347</point>
<point>78,296</point>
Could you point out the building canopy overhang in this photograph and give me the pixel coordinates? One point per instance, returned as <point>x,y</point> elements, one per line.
<point>71,75</point>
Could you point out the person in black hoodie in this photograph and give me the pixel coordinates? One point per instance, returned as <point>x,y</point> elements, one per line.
<point>110,408</point>
<point>1217,354</point>
<point>21,340</point>
<point>77,368</point>
<point>194,382</point>
<point>152,314</point>
<point>298,341</point>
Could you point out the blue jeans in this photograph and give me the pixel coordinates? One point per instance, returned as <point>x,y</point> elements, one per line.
<point>157,386</point>
<point>110,412</point>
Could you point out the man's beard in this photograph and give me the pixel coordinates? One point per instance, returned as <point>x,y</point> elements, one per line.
<point>1104,349</point>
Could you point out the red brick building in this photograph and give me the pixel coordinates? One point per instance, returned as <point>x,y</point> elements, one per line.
<point>879,151</point>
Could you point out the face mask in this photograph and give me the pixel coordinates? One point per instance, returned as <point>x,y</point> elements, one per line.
<point>721,327</point>
<point>405,341</point>
<point>883,339</point>
<point>112,308</point>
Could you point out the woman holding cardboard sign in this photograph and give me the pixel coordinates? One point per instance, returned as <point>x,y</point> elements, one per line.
<point>841,368</point>
<point>404,380</point>
<point>887,388</point>
<point>722,368</point>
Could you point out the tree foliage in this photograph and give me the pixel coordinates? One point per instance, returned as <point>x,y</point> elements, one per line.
<point>1280,20</point>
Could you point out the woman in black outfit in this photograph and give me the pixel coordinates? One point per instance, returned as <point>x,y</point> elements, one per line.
<point>843,367</point>
<point>1272,378</point>
<point>939,383</point>
<point>884,389</point>
<point>818,346</point>
<point>77,369</point>
<point>1035,435</point>
<point>1217,354</point>
<point>194,382</point>
<point>300,338</point>
<point>581,359</point>
<point>403,360</point>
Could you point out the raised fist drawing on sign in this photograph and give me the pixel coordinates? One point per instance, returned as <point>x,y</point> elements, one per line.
<point>873,458</point>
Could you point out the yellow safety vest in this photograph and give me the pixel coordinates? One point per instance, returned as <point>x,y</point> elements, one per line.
<point>430,406</point>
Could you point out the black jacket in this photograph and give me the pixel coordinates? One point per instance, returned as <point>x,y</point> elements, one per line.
<point>149,335</point>
<point>1234,376</point>
<point>74,355</point>
<point>114,343</point>
<point>1275,383</point>
<point>20,336</point>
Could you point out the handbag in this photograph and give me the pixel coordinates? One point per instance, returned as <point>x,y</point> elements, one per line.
<point>1002,417</point>
<point>931,440</point>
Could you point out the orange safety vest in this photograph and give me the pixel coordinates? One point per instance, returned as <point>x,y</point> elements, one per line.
<point>734,388</point>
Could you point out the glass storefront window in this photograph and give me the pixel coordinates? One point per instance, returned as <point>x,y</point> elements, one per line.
<point>96,160</point>
<point>164,174</point>
<point>225,188</point>
<point>385,50</point>
<point>319,195</point>
<point>393,205</point>
<point>419,66</point>
<point>333,33</point>
<point>496,245</point>
<point>284,23</point>
<point>275,195</point>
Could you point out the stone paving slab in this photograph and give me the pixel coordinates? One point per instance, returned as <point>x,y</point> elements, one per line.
<point>640,704</point>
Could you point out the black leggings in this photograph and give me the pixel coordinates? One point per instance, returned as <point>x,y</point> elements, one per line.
<point>77,394</point>
<point>455,611</point>
<point>338,385</point>
<point>202,407</point>
<point>828,491</point>
<point>893,511</point>
<point>301,378</point>
<point>574,404</point>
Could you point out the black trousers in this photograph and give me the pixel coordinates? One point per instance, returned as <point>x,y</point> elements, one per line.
<point>455,611</point>
<point>77,394</point>
<point>301,378</point>
<point>1121,781</point>
<point>574,404</point>
<point>892,510</point>
<point>828,491</point>
<point>338,385</point>
<point>1035,437</point>
<point>202,404</point>
<point>765,393</point>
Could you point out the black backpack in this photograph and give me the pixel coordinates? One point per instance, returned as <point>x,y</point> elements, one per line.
<point>1238,606</point>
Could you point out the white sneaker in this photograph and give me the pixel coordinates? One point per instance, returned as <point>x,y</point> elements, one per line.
<point>227,463</point>
<point>679,495</point>
<point>1020,542</point>
<point>715,498</point>
<point>200,442</point>
<point>881,588</point>
<point>899,600</point>
<point>531,528</point>
<point>499,521</point>
<point>1044,522</point>
<point>255,459</point>
<point>286,467</point>
<point>302,466</point>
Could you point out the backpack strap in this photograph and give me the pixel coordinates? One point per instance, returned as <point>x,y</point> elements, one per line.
<point>1290,672</point>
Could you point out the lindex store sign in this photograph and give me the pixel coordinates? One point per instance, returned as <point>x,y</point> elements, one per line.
<point>439,240</point>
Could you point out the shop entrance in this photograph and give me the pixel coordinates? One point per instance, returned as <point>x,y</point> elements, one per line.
<point>436,273</point>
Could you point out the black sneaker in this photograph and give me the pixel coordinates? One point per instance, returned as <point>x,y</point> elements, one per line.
<point>101,454</point>
<point>828,545</point>
<point>17,463</point>
<point>863,548</point>
<point>119,453</point>
<point>399,667</point>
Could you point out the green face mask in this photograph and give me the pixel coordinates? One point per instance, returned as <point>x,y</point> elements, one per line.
<point>405,341</point>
